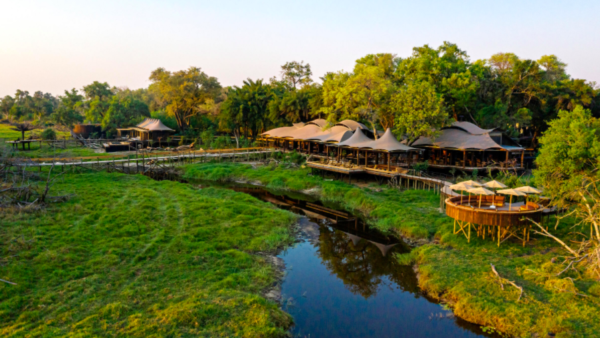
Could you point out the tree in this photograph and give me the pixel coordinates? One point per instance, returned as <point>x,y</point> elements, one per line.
<point>124,112</point>
<point>246,109</point>
<point>554,68</point>
<point>570,151</point>
<point>296,74</point>
<point>568,171</point>
<point>98,96</point>
<point>183,93</point>
<point>69,109</point>
<point>5,105</point>
<point>419,111</point>
<point>364,94</point>
<point>23,128</point>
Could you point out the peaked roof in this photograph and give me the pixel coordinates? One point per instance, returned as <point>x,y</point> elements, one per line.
<point>470,128</point>
<point>352,125</point>
<point>153,125</point>
<point>387,142</point>
<point>319,122</point>
<point>356,140</point>
<point>455,138</point>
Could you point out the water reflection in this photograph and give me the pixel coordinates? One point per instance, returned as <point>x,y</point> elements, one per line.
<point>343,280</point>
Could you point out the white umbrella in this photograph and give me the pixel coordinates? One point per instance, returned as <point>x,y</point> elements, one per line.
<point>494,185</point>
<point>528,190</point>
<point>461,187</point>
<point>472,183</point>
<point>480,191</point>
<point>511,192</point>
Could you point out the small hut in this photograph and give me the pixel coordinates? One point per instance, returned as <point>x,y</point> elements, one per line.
<point>149,129</point>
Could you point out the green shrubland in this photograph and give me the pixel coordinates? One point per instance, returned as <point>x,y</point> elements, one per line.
<point>128,256</point>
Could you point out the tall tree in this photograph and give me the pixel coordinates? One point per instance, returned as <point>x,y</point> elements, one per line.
<point>69,109</point>
<point>98,97</point>
<point>296,74</point>
<point>5,105</point>
<point>419,111</point>
<point>246,109</point>
<point>124,112</point>
<point>183,93</point>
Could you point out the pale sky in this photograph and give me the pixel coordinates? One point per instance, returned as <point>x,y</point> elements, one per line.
<point>56,45</point>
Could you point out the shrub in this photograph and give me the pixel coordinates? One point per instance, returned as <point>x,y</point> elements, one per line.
<point>48,134</point>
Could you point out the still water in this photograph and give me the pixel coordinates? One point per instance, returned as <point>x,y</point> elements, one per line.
<point>342,279</point>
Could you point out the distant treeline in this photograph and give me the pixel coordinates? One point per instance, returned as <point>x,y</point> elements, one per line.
<point>414,95</point>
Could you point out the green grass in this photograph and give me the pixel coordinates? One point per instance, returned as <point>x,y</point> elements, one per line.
<point>10,135</point>
<point>128,256</point>
<point>411,213</point>
<point>450,269</point>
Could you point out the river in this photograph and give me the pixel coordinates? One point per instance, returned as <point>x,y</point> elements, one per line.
<point>342,279</point>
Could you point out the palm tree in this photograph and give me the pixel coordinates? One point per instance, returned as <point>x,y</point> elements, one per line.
<point>23,127</point>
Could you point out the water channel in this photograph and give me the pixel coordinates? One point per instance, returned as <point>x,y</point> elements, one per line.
<point>342,279</point>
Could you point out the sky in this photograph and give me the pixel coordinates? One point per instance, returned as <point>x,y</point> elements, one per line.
<point>52,46</point>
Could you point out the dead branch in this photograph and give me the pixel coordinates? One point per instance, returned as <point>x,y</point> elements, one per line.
<point>547,234</point>
<point>500,279</point>
<point>5,281</point>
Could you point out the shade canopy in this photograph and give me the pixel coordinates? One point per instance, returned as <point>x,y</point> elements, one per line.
<point>511,192</point>
<point>494,184</point>
<point>153,125</point>
<point>480,191</point>
<point>528,190</point>
<point>461,186</point>
<point>467,136</point>
<point>356,140</point>
<point>472,183</point>
<point>387,142</point>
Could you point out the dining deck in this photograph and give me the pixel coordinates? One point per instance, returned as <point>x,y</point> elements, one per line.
<point>492,216</point>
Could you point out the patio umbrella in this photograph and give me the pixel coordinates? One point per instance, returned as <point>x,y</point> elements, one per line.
<point>511,192</point>
<point>472,183</point>
<point>461,187</point>
<point>480,191</point>
<point>528,190</point>
<point>494,185</point>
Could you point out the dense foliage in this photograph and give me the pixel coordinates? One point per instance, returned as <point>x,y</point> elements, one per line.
<point>412,95</point>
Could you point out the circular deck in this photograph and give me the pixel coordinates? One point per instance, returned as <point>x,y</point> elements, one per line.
<point>468,211</point>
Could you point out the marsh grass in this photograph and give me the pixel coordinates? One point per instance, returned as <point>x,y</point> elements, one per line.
<point>411,213</point>
<point>128,256</point>
<point>450,269</point>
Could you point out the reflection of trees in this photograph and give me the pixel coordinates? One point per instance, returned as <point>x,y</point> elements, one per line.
<point>362,267</point>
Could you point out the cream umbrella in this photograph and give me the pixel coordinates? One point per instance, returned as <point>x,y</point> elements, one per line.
<point>511,192</point>
<point>529,191</point>
<point>480,191</point>
<point>461,187</point>
<point>494,185</point>
<point>472,183</point>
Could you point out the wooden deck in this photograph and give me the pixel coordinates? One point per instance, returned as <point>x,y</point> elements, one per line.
<point>500,223</point>
<point>337,169</point>
<point>470,169</point>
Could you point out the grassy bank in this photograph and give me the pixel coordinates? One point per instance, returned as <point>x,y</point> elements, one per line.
<point>411,213</point>
<point>451,269</point>
<point>128,256</point>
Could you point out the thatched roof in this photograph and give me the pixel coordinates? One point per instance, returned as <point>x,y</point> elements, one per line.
<point>153,125</point>
<point>465,136</point>
<point>387,142</point>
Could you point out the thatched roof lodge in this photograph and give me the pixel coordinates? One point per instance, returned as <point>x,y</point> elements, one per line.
<point>466,146</point>
<point>149,129</point>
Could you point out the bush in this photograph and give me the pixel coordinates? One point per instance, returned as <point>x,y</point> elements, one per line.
<point>421,166</point>
<point>48,134</point>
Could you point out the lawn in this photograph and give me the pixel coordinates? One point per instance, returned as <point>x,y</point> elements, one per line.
<point>449,268</point>
<point>128,256</point>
